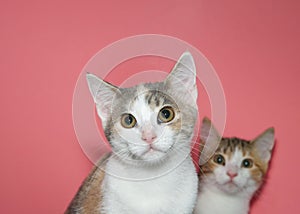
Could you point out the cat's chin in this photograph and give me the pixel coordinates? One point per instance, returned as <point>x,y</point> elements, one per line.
<point>153,155</point>
<point>150,153</point>
<point>150,157</point>
<point>230,188</point>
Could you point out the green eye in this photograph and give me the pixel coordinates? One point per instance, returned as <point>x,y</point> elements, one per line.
<point>128,121</point>
<point>219,159</point>
<point>166,114</point>
<point>247,163</point>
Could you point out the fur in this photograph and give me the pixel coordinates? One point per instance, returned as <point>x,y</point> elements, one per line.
<point>89,197</point>
<point>150,169</point>
<point>228,186</point>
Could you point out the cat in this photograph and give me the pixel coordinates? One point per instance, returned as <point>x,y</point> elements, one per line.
<point>230,178</point>
<point>150,128</point>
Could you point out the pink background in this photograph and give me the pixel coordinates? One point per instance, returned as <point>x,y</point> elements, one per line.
<point>253,45</point>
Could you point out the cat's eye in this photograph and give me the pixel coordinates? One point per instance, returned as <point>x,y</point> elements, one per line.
<point>128,121</point>
<point>247,163</point>
<point>166,114</point>
<point>219,159</point>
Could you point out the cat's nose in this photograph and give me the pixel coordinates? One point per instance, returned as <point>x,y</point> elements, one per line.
<point>148,136</point>
<point>232,175</point>
<point>149,139</point>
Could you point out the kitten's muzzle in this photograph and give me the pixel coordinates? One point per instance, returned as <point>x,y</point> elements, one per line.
<point>148,136</point>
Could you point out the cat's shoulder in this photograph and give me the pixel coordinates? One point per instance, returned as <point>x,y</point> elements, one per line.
<point>89,196</point>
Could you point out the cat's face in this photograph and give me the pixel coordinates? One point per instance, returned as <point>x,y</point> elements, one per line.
<point>238,166</point>
<point>235,167</point>
<point>145,122</point>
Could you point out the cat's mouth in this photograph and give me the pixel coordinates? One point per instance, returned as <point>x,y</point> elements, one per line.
<point>230,186</point>
<point>231,183</point>
<point>149,152</point>
<point>152,150</point>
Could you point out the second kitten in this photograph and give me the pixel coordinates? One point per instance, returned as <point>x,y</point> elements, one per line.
<point>229,179</point>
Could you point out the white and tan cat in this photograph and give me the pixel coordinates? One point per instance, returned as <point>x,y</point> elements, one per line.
<point>150,129</point>
<point>230,178</point>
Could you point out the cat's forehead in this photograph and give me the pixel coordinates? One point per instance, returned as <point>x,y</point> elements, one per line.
<point>152,95</point>
<point>230,146</point>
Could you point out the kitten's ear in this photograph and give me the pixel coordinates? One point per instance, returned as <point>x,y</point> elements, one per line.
<point>211,138</point>
<point>184,74</point>
<point>103,94</point>
<point>264,144</point>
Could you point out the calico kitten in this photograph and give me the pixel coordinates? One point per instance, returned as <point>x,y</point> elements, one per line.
<point>234,173</point>
<point>150,128</point>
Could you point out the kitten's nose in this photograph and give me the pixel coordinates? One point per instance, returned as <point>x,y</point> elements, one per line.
<point>148,136</point>
<point>232,175</point>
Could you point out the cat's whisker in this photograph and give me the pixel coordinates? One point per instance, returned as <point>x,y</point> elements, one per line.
<point>201,148</point>
<point>191,152</point>
<point>203,174</point>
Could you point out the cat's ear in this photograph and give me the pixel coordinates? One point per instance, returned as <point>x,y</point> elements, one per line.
<point>184,75</point>
<point>264,144</point>
<point>103,94</point>
<point>210,140</point>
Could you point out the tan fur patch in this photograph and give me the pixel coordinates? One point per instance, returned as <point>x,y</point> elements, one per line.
<point>89,196</point>
<point>208,167</point>
<point>260,168</point>
<point>176,124</point>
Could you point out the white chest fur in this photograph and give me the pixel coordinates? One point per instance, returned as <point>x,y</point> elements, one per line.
<point>216,202</point>
<point>174,192</point>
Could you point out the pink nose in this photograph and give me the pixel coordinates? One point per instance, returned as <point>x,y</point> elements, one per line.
<point>232,174</point>
<point>148,136</point>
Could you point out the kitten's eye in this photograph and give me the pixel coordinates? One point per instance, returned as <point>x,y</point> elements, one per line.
<point>247,163</point>
<point>166,114</point>
<point>219,159</point>
<point>128,121</point>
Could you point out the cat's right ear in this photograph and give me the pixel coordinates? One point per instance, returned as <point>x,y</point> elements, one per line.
<point>210,140</point>
<point>183,75</point>
<point>264,144</point>
<point>103,94</point>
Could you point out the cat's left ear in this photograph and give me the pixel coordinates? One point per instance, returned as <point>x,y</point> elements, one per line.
<point>210,140</point>
<point>184,75</point>
<point>264,144</point>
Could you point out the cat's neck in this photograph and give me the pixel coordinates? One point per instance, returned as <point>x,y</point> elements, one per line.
<point>213,200</point>
<point>120,168</point>
<point>155,188</point>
